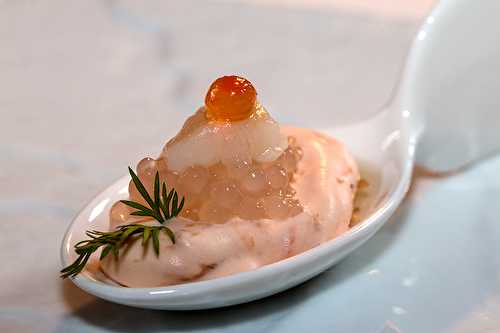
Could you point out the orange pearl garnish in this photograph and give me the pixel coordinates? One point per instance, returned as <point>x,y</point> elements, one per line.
<point>230,98</point>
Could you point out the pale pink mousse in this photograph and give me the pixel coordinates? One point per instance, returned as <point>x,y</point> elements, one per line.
<point>325,185</point>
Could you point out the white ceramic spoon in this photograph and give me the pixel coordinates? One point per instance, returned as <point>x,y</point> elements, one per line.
<point>445,115</point>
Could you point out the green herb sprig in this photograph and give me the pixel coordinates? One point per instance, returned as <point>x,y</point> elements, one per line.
<point>166,204</point>
<point>162,207</point>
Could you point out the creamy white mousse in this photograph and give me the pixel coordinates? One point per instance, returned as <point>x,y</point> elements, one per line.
<point>325,183</point>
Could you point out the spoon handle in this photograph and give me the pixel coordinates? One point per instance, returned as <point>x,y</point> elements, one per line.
<point>451,85</point>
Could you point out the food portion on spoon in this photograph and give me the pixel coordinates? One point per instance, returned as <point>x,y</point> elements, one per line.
<point>254,193</point>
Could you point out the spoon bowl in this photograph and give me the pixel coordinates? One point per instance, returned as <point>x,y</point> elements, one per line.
<point>444,115</point>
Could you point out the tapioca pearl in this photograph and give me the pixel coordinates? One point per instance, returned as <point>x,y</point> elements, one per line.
<point>275,207</point>
<point>251,208</point>
<point>194,179</point>
<point>254,181</point>
<point>161,166</point>
<point>266,165</point>
<point>146,168</point>
<point>277,192</point>
<point>288,161</point>
<point>298,152</point>
<point>136,196</point>
<point>191,200</point>
<point>191,213</point>
<point>211,212</point>
<point>290,192</point>
<point>217,172</point>
<point>171,179</point>
<point>277,177</point>
<point>294,207</point>
<point>238,168</point>
<point>226,193</point>
<point>119,213</point>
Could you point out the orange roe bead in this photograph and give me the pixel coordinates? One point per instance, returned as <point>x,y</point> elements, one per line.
<point>230,98</point>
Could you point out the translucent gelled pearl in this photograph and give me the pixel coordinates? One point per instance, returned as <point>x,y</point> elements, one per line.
<point>288,161</point>
<point>194,179</point>
<point>171,179</point>
<point>218,171</point>
<point>251,208</point>
<point>275,207</point>
<point>254,181</point>
<point>134,194</point>
<point>230,98</point>
<point>119,213</point>
<point>146,168</point>
<point>226,194</point>
<point>162,167</point>
<point>294,207</point>
<point>146,171</point>
<point>238,168</point>
<point>211,212</point>
<point>190,213</point>
<point>277,177</point>
<point>289,193</point>
<point>297,151</point>
<point>191,200</point>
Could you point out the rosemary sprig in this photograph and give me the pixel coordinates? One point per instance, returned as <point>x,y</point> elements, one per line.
<point>112,241</point>
<point>162,207</point>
